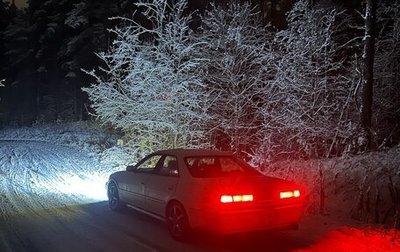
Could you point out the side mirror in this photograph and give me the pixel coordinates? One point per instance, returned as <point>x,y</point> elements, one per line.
<point>130,168</point>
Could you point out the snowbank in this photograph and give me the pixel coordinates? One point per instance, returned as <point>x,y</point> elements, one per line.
<point>365,187</point>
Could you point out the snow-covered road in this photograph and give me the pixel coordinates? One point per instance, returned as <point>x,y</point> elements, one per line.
<point>37,178</point>
<point>36,175</point>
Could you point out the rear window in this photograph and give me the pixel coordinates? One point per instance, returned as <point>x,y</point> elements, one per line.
<point>217,166</point>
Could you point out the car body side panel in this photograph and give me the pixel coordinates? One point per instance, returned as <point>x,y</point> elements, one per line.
<point>159,190</point>
<point>131,188</point>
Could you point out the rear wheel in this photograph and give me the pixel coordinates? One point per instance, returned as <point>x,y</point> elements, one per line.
<point>177,221</point>
<point>113,197</point>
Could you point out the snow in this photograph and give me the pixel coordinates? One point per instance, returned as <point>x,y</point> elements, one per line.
<point>62,165</point>
<point>55,165</point>
<point>352,239</point>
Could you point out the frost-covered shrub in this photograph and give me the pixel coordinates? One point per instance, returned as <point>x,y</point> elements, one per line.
<point>117,158</point>
<point>235,45</point>
<point>306,109</point>
<point>386,107</point>
<point>148,87</point>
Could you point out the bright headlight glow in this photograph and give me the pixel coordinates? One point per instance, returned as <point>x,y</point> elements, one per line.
<point>90,187</point>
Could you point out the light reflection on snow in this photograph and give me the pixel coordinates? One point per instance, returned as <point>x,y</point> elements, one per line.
<point>88,187</point>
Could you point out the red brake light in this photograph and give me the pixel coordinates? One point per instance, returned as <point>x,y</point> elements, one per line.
<point>226,199</point>
<point>236,198</point>
<point>290,194</point>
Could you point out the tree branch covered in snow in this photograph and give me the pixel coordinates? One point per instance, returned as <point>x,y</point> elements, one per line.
<point>235,41</point>
<point>148,87</point>
<point>238,85</point>
<point>387,75</point>
<point>306,110</point>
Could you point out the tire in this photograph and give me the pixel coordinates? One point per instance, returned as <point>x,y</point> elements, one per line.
<point>177,221</point>
<point>113,197</point>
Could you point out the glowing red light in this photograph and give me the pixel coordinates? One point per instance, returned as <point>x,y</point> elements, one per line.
<point>290,194</point>
<point>226,199</point>
<point>236,198</point>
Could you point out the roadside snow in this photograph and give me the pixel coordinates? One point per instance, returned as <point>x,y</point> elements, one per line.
<point>356,198</point>
<point>82,135</point>
<point>55,165</point>
<point>364,187</point>
<point>361,240</point>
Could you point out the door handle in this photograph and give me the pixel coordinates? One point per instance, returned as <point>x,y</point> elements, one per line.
<point>170,188</point>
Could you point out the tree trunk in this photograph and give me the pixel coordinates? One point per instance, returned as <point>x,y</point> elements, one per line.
<point>368,73</point>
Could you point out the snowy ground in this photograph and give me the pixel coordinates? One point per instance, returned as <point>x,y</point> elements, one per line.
<point>364,187</point>
<point>48,173</point>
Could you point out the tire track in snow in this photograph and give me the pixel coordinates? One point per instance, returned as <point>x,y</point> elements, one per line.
<point>30,174</point>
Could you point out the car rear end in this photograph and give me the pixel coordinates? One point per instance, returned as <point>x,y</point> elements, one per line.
<point>249,204</point>
<point>229,196</point>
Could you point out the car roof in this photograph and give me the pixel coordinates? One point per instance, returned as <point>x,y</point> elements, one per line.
<point>193,152</point>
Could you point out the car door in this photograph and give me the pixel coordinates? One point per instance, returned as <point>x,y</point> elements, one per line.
<point>134,181</point>
<point>162,185</point>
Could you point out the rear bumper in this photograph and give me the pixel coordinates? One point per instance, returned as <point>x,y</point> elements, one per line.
<point>247,220</point>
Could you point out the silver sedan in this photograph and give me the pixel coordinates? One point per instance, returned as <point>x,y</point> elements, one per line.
<point>205,189</point>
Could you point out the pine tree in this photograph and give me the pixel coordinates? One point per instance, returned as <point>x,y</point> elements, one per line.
<point>19,71</point>
<point>89,23</point>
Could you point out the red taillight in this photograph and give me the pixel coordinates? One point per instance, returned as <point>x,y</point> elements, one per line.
<point>290,194</point>
<point>236,198</point>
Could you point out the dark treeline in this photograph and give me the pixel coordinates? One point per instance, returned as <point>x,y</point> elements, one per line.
<point>43,48</point>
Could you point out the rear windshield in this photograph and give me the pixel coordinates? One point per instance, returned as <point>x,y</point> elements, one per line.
<point>218,166</point>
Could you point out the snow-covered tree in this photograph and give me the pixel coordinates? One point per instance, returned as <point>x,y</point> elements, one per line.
<point>307,102</point>
<point>149,87</point>
<point>386,104</point>
<point>235,42</point>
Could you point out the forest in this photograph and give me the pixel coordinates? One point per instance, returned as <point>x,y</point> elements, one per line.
<point>268,80</point>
